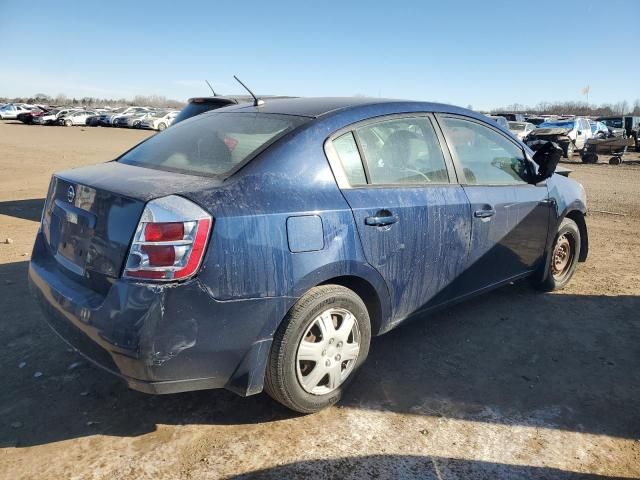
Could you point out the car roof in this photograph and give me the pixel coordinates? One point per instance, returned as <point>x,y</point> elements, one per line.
<point>314,107</point>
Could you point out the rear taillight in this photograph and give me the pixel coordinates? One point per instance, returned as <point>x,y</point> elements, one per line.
<point>170,240</point>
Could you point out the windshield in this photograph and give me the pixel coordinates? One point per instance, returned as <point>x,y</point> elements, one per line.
<point>558,124</point>
<point>612,122</point>
<point>211,145</point>
<point>517,126</point>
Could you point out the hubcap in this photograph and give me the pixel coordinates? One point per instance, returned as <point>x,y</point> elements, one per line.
<point>328,351</point>
<point>562,256</point>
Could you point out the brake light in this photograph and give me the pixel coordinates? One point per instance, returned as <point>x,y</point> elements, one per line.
<point>170,241</point>
<point>163,232</point>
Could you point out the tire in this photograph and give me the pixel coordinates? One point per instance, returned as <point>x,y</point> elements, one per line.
<point>161,127</point>
<point>68,123</point>
<point>286,380</point>
<point>590,157</point>
<point>558,273</point>
<point>568,153</point>
<point>615,160</point>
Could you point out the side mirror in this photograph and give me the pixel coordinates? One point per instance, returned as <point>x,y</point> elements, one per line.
<point>547,157</point>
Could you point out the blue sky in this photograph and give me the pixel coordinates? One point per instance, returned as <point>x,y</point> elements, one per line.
<point>480,53</point>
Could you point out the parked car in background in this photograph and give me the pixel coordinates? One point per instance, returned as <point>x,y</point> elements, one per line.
<point>521,129</point>
<point>107,118</point>
<point>503,122</point>
<point>51,117</point>
<point>27,117</point>
<point>511,117</point>
<point>262,247</point>
<point>628,125</point>
<point>120,119</point>
<point>535,120</point>
<point>75,118</point>
<point>598,129</point>
<point>160,120</point>
<point>571,134</point>
<point>131,120</point>
<point>11,111</point>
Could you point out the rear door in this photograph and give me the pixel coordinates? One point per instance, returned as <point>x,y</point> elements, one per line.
<point>412,216</point>
<point>509,215</point>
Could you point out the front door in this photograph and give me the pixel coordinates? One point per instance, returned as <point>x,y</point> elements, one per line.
<point>412,217</point>
<point>509,215</point>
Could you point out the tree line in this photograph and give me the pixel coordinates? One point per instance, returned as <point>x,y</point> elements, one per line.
<point>61,99</point>
<point>582,109</point>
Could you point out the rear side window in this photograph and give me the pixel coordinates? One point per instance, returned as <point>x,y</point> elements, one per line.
<point>347,151</point>
<point>213,145</point>
<point>403,151</point>
<point>487,157</point>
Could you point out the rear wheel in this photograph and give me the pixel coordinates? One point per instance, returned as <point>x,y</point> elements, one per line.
<point>161,127</point>
<point>320,344</point>
<point>563,259</point>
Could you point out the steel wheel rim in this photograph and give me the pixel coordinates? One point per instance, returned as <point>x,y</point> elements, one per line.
<point>328,351</point>
<point>562,258</point>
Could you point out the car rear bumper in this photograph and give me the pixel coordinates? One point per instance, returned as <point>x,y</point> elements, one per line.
<point>159,338</point>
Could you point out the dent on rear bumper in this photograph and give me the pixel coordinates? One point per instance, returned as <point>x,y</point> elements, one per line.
<point>161,338</point>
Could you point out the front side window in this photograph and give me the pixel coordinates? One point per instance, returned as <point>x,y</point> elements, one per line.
<point>213,145</point>
<point>487,157</point>
<point>403,151</point>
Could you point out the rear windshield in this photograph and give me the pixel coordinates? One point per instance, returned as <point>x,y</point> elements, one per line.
<point>559,124</point>
<point>212,145</point>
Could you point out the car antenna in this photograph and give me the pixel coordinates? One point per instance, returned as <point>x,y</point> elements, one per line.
<point>214,92</point>
<point>256,101</point>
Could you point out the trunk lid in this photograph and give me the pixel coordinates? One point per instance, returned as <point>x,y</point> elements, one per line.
<point>91,213</point>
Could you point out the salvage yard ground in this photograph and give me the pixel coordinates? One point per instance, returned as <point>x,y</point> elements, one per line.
<point>516,384</point>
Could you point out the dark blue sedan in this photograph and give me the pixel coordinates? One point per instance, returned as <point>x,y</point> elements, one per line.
<point>261,246</point>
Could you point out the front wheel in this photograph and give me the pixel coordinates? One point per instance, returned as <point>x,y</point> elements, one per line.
<point>563,259</point>
<point>320,344</point>
<point>161,127</point>
<point>569,151</point>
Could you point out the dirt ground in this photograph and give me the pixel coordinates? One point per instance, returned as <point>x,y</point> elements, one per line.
<point>514,385</point>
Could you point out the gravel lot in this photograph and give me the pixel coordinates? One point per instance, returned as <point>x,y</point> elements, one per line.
<point>517,384</point>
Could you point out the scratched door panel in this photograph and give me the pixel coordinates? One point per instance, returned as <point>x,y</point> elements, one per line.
<point>424,250</point>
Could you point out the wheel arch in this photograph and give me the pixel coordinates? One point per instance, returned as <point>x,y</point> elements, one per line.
<point>578,217</point>
<point>367,292</point>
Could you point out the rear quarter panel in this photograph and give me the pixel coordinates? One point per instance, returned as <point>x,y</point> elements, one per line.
<point>249,254</point>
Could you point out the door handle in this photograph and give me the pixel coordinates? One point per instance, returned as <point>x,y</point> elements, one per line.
<point>380,221</point>
<point>490,212</point>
